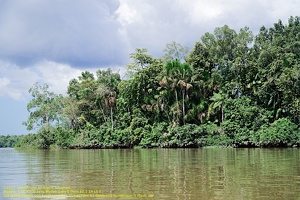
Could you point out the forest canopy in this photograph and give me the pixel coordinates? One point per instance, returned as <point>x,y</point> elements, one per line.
<point>232,89</point>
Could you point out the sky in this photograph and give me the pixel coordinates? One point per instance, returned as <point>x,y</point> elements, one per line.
<point>53,41</point>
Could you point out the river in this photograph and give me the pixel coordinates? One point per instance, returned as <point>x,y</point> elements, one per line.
<point>187,174</point>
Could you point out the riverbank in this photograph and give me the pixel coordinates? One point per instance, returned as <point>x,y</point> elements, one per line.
<point>282,133</point>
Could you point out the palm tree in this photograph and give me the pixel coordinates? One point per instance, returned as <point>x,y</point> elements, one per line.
<point>218,102</point>
<point>178,78</point>
<point>107,90</point>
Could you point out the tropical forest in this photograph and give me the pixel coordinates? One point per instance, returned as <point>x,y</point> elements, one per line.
<point>232,89</point>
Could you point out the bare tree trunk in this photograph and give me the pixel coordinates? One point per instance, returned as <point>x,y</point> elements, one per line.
<point>183,107</point>
<point>102,112</point>
<point>222,115</point>
<point>111,118</point>
<point>177,107</point>
<point>47,121</point>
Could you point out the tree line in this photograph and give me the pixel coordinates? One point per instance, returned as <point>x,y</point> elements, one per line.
<point>233,88</point>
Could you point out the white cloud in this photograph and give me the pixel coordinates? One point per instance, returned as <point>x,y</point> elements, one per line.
<point>126,15</point>
<point>4,82</point>
<point>16,81</point>
<point>200,12</point>
<point>7,90</point>
<point>56,75</point>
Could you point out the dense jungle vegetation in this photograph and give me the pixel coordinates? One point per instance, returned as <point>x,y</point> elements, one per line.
<point>231,89</point>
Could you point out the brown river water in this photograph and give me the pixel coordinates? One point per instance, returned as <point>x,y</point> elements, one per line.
<point>187,174</point>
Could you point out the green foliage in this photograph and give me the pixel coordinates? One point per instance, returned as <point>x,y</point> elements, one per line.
<point>154,137</point>
<point>28,141</point>
<point>281,132</point>
<point>242,119</point>
<point>94,99</point>
<point>44,107</point>
<point>232,89</point>
<point>177,78</point>
<point>8,140</point>
<point>140,60</point>
<point>277,67</point>
<point>217,140</point>
<point>189,135</point>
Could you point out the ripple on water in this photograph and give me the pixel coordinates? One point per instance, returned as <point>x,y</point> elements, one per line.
<point>165,173</point>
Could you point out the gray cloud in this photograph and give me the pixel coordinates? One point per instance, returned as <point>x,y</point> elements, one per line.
<point>102,33</point>
<point>75,32</point>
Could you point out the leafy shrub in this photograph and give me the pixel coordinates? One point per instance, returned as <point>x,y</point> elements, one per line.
<point>217,140</point>
<point>124,137</point>
<point>281,132</point>
<point>242,119</point>
<point>153,138</point>
<point>63,137</point>
<point>189,135</point>
<point>8,140</point>
<point>29,140</point>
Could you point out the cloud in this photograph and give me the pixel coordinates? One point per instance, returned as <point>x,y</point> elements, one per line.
<point>53,41</point>
<point>56,75</point>
<point>4,82</point>
<point>78,33</point>
<point>103,33</point>
<point>152,24</point>
<point>16,81</point>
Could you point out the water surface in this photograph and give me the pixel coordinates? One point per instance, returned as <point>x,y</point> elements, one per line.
<point>188,174</point>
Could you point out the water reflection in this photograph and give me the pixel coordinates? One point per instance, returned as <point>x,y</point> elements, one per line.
<point>166,173</point>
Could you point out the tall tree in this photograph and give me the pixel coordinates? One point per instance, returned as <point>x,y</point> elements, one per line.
<point>218,101</point>
<point>83,90</point>
<point>44,107</point>
<point>177,77</point>
<point>141,59</point>
<point>174,51</point>
<point>108,83</point>
<point>95,98</point>
<point>276,51</point>
<point>141,91</point>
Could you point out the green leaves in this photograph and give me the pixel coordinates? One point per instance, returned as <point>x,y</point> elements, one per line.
<point>233,89</point>
<point>44,108</point>
<point>140,60</point>
<point>278,68</point>
<point>281,132</point>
